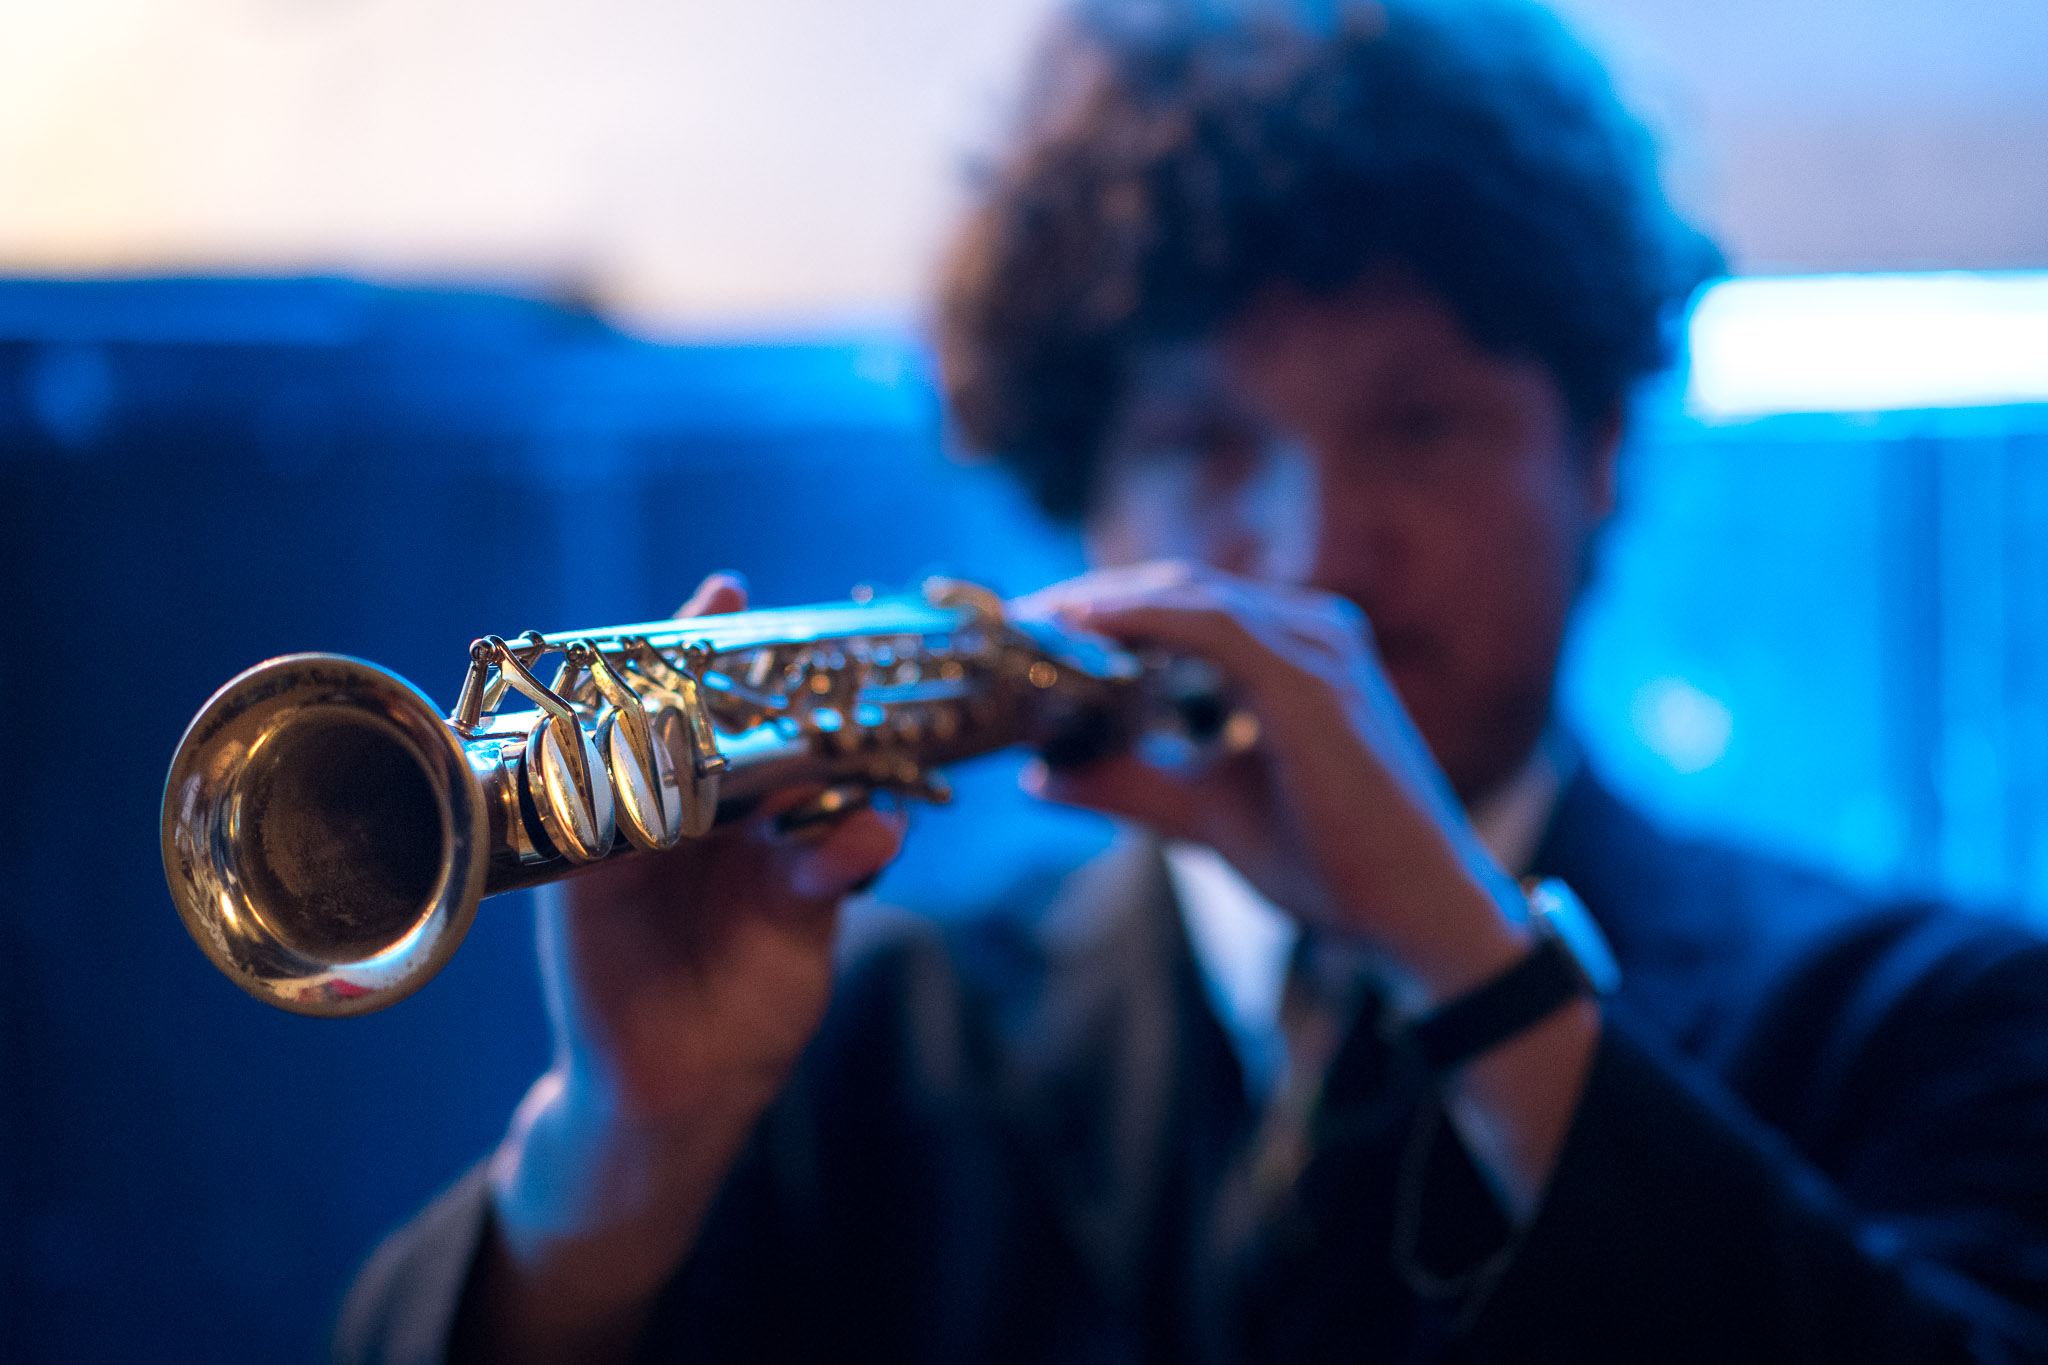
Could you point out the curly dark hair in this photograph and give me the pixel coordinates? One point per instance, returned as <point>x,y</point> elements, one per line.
<point>1178,155</point>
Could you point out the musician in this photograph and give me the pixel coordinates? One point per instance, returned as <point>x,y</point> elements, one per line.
<point>1324,326</point>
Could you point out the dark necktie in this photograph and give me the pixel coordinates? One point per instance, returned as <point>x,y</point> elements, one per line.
<point>1326,986</point>
<point>1298,1252</point>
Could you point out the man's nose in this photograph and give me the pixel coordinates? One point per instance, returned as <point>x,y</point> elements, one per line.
<point>1354,544</point>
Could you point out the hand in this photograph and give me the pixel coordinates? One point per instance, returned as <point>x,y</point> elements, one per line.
<point>695,977</point>
<point>1338,815</point>
<point>681,988</point>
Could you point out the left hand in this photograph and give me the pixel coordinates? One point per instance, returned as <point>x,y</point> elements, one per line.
<point>1338,815</point>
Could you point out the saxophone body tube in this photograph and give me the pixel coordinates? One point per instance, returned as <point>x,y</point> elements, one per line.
<point>328,833</point>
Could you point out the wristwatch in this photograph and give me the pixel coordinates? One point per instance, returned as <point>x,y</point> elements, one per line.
<point>1570,960</point>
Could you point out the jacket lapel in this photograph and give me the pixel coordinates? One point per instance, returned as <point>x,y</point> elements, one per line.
<point>1089,1064</point>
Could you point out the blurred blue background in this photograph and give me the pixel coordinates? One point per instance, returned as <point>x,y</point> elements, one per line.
<point>673,254</point>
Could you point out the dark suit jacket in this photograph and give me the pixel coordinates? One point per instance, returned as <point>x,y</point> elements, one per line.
<point>1816,1129</point>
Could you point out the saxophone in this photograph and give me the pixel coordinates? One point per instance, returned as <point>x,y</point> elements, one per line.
<point>328,834</point>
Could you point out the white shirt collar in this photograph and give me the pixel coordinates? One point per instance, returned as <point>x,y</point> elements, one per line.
<point>1242,941</point>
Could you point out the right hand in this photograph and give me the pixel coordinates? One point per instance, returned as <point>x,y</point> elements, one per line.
<point>681,989</point>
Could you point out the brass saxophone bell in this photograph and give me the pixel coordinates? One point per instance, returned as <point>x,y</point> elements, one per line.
<point>323,836</point>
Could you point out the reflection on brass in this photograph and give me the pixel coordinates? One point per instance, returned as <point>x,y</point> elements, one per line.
<point>327,834</point>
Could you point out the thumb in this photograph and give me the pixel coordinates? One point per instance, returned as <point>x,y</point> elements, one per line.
<point>719,593</point>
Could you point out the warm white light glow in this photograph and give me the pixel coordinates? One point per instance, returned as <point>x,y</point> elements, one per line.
<point>692,161</point>
<point>767,165</point>
<point>1869,343</point>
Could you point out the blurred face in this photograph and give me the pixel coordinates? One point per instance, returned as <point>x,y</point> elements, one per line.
<point>1364,445</point>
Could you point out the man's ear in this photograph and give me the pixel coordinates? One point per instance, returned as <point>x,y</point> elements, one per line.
<point>1602,454</point>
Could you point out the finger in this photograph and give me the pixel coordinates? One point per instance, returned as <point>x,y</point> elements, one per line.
<point>1124,582</point>
<point>1178,583</point>
<point>1122,785</point>
<point>857,849</point>
<point>1196,626</point>
<point>720,592</point>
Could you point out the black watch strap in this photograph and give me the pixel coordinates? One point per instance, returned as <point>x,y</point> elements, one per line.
<point>1569,960</point>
